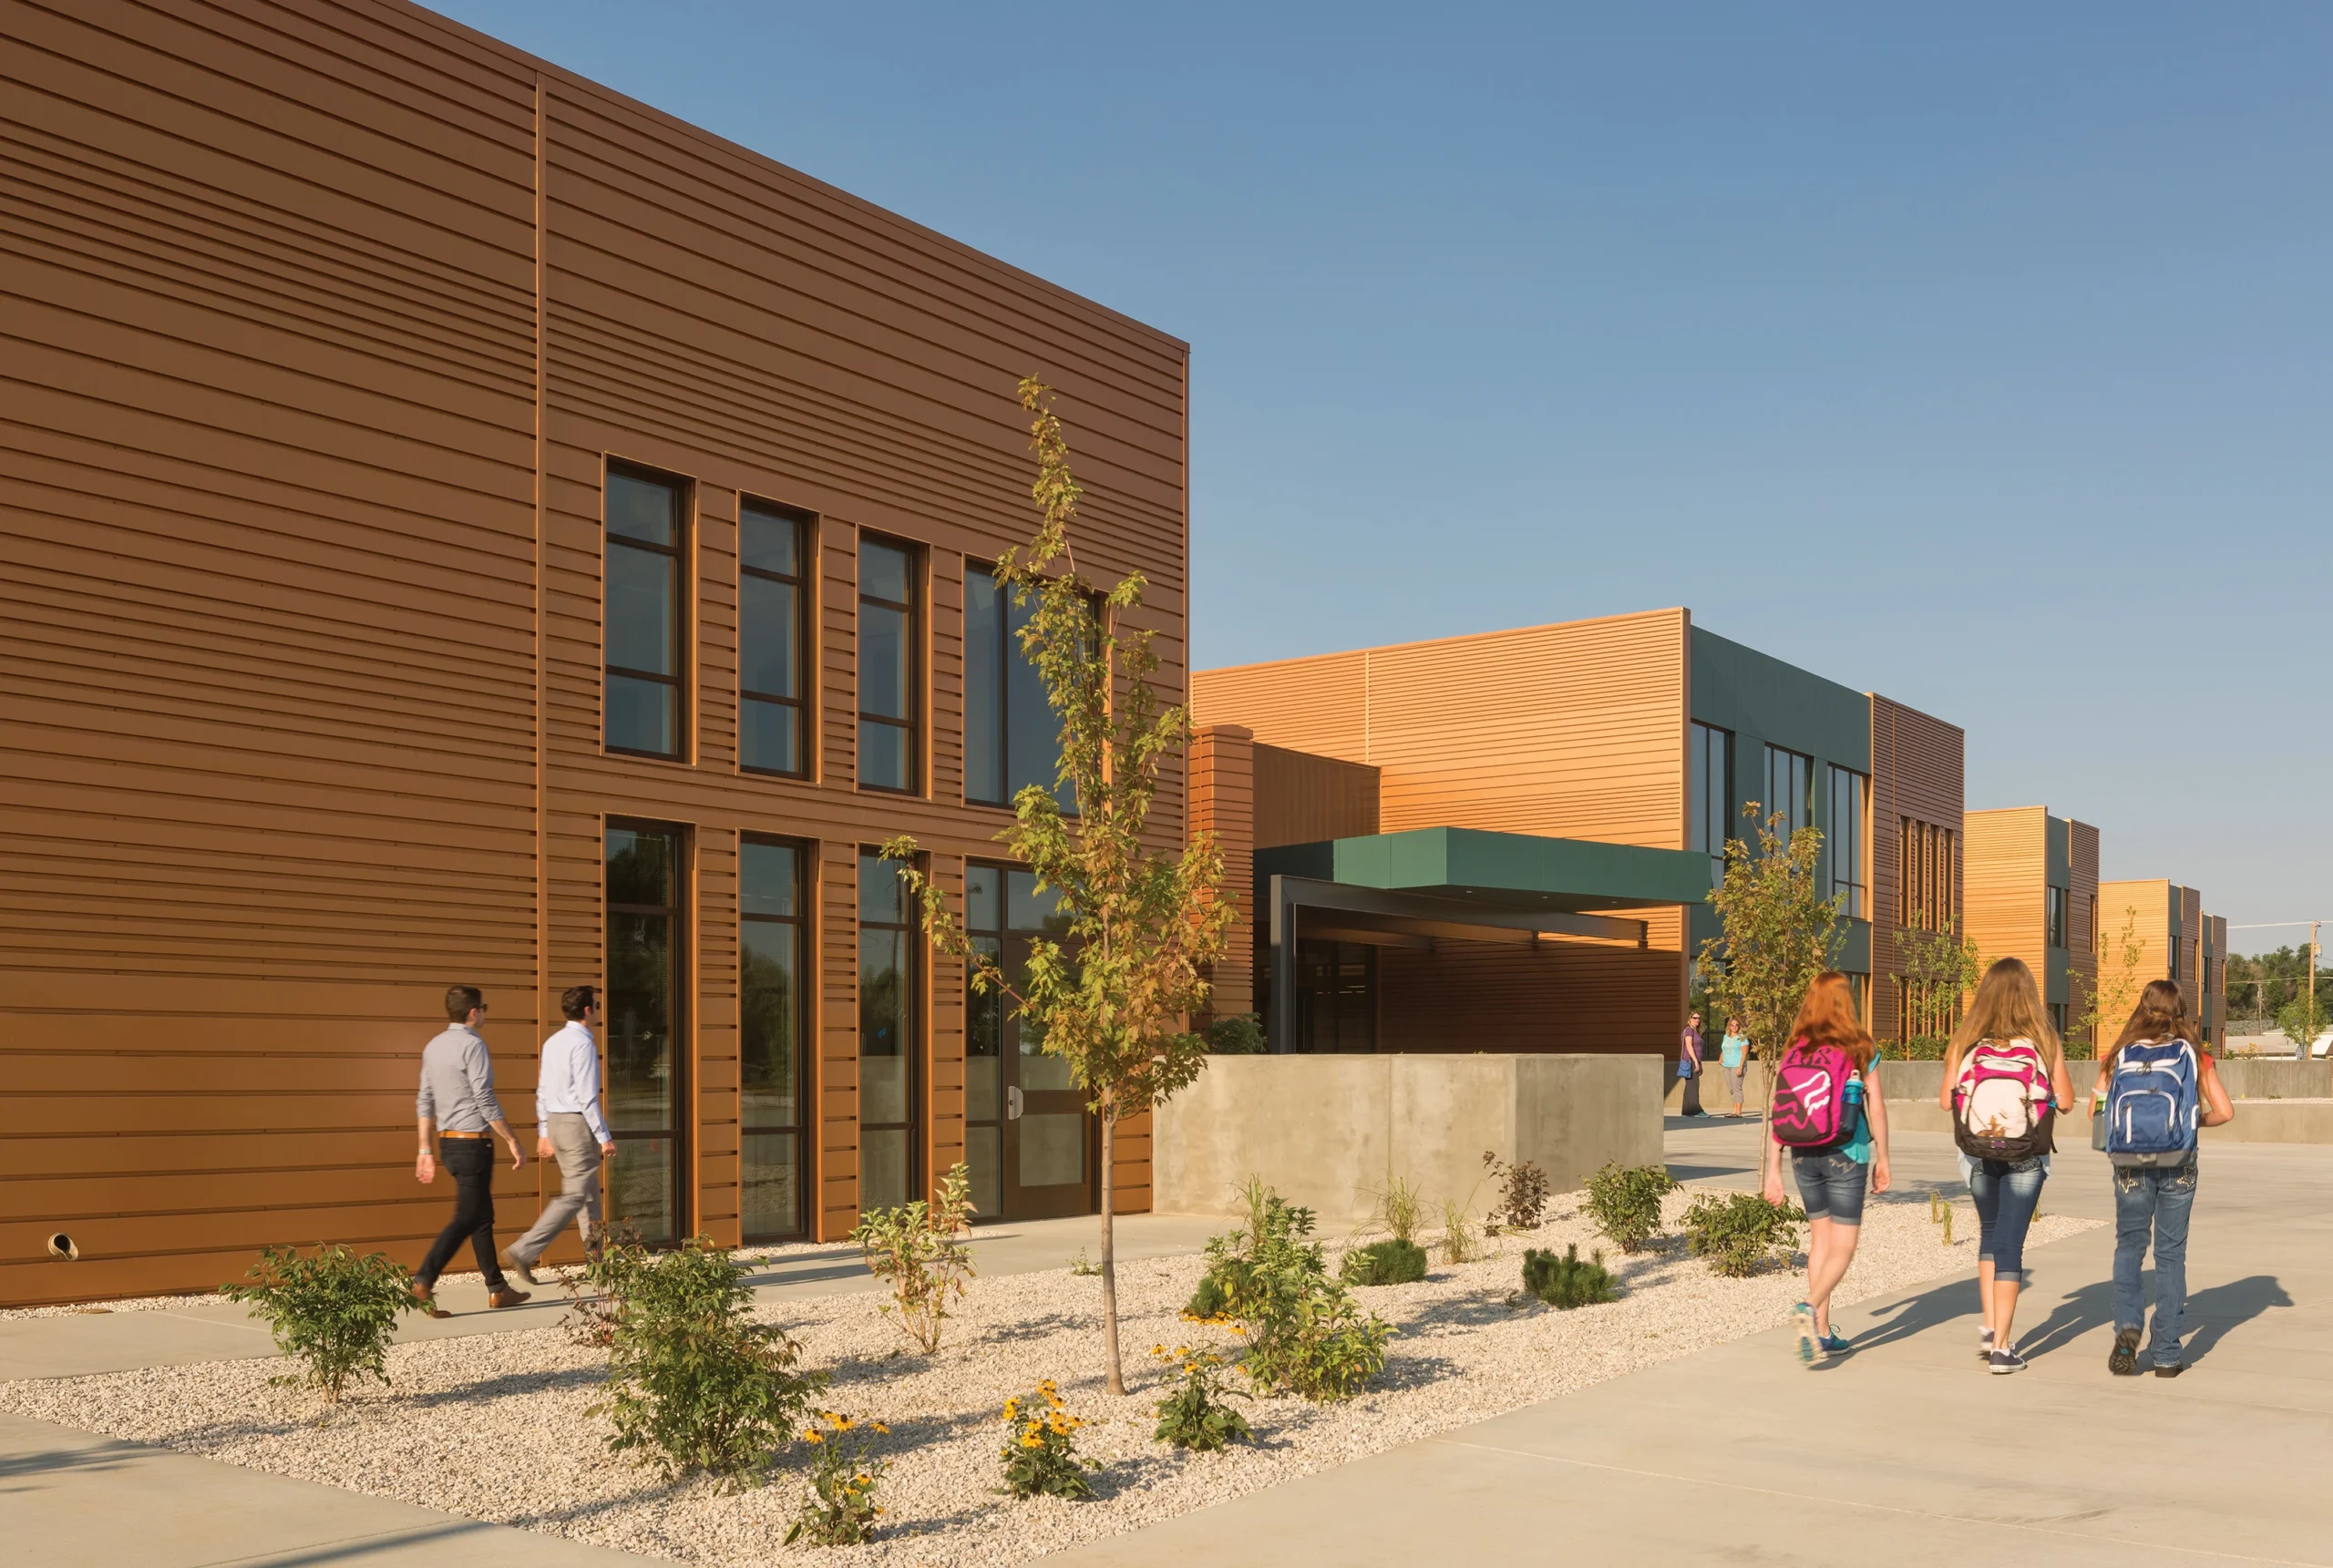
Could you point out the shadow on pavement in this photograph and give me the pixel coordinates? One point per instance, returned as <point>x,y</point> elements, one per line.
<point>2223,1308</point>
<point>51,1461</point>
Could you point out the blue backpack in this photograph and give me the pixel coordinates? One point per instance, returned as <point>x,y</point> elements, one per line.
<point>2152,1103</point>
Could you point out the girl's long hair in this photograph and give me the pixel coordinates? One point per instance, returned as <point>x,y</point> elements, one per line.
<point>2008,1007</point>
<point>2162,1014</point>
<point>1827,1017</point>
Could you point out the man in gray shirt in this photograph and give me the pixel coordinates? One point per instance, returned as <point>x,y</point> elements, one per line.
<point>458,1101</point>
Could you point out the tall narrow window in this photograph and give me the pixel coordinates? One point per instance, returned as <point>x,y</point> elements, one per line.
<point>1789,790</point>
<point>646,877</point>
<point>770,1032</point>
<point>888,949</point>
<point>771,633</point>
<point>1925,859</point>
<point>1012,734</point>
<point>1845,844</point>
<point>2096,944</point>
<point>646,535</point>
<point>889,649</point>
<point>2056,937</point>
<point>1709,767</point>
<point>985,1096</point>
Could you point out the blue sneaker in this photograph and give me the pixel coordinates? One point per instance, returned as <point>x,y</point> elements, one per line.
<point>1833,1343</point>
<point>1802,1319</point>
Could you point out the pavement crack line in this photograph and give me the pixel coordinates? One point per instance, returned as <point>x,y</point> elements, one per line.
<point>2094,1539</point>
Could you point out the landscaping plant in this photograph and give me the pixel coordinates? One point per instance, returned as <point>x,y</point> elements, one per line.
<point>1626,1204</point>
<point>1390,1261</point>
<point>839,1509</point>
<point>1400,1209</point>
<point>1566,1282</point>
<point>692,1380</point>
<point>1208,1303</point>
<point>1940,1213</point>
<point>334,1311</point>
<point>1113,994</point>
<point>1304,1334</point>
<point>1742,1233</point>
<point>1777,933</point>
<point>1194,1416</point>
<point>1934,969</point>
<point>1459,1243</point>
<point>917,1250</point>
<point>2104,1003</point>
<point>596,1293</point>
<point>1041,1454</point>
<point>1523,1192</point>
<point>1239,1035</point>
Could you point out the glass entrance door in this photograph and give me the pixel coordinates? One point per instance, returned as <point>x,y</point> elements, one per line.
<point>1029,1140</point>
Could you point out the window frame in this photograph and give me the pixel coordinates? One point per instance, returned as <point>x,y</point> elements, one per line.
<point>683,842</point>
<point>919,576</point>
<point>1708,812</point>
<point>806,559</point>
<point>680,552</point>
<point>805,930</point>
<point>2056,910</point>
<point>1854,880</point>
<point>1800,810</point>
<point>913,1032</point>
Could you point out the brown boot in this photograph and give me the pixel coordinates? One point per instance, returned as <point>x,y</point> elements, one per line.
<point>427,1301</point>
<point>506,1296</point>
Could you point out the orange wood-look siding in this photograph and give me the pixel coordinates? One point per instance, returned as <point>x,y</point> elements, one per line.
<point>1301,798</point>
<point>2006,855</point>
<point>323,320</point>
<point>1916,772</point>
<point>1223,801</point>
<point>2158,904</point>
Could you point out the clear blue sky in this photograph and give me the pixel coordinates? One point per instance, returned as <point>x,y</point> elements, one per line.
<point>1980,355</point>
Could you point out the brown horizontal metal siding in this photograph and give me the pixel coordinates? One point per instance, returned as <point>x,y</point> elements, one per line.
<point>323,319</point>
<point>1918,770</point>
<point>2082,952</point>
<point>1301,798</point>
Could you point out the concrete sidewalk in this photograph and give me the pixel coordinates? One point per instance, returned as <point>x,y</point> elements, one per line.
<point>78,1345</point>
<point>1904,1452</point>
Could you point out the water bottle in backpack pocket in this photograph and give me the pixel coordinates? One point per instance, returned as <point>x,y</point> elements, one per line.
<point>2000,1104</point>
<point>1811,1104</point>
<point>2153,1104</point>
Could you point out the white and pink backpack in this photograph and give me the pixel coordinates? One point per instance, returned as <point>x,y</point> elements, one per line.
<point>2000,1101</point>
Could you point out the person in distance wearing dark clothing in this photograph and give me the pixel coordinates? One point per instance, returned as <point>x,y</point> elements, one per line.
<point>457,1103</point>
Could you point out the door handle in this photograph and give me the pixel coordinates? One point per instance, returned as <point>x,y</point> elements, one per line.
<point>1012,1103</point>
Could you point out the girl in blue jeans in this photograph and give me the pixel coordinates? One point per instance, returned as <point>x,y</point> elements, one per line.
<point>1832,1178</point>
<point>2152,1203</point>
<point>2008,1011</point>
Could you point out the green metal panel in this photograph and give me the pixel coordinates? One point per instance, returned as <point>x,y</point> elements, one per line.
<point>2059,854</point>
<point>1756,694</point>
<point>1511,869</point>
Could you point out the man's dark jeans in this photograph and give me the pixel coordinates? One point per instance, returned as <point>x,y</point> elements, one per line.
<point>470,1162</point>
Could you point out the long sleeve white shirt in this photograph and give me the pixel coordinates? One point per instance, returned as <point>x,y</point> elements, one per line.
<point>570,1081</point>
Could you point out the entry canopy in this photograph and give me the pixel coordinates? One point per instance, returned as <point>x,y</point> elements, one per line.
<point>1516,871</point>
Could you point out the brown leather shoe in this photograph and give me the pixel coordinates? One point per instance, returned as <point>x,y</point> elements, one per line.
<point>426,1302</point>
<point>506,1297</point>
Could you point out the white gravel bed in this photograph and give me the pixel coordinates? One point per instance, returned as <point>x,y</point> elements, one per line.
<point>495,1427</point>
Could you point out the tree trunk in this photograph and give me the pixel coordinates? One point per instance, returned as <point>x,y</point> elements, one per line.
<point>1116,1380</point>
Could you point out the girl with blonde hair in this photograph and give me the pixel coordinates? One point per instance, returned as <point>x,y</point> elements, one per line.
<point>1832,1175</point>
<point>2004,1082</point>
<point>2152,1202</point>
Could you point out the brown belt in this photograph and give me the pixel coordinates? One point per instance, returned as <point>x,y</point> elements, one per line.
<point>465,1134</point>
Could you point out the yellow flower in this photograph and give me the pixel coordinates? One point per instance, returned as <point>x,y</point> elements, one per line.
<point>842,1423</point>
<point>1031,1442</point>
<point>813,1435</point>
<point>881,1427</point>
<point>1158,1349</point>
<point>1011,1408</point>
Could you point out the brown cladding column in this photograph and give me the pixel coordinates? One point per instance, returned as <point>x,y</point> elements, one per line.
<point>1223,804</point>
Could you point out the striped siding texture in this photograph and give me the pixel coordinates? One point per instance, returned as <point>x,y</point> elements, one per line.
<point>2007,858</point>
<point>1223,803</point>
<point>1916,772</point>
<point>2158,904</point>
<point>2082,842</point>
<point>323,320</point>
<point>1301,798</point>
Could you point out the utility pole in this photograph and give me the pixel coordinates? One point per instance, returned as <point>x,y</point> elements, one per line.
<point>2307,1046</point>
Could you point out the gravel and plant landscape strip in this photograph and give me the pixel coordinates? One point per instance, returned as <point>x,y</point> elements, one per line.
<point>497,1426</point>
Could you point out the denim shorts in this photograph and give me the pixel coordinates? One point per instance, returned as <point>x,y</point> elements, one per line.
<point>1832,1186</point>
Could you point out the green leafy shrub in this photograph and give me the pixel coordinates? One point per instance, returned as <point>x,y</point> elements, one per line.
<point>1566,1282</point>
<point>596,1293</point>
<point>1304,1334</point>
<point>839,1509</point>
<point>1626,1204</point>
<point>1921,1047</point>
<point>334,1311</point>
<point>692,1380</point>
<point>916,1248</point>
<point>1394,1262</point>
<point>1237,1035</point>
<point>1742,1233</point>
<point>1040,1453</point>
<point>1194,1416</point>
<point>1523,1192</point>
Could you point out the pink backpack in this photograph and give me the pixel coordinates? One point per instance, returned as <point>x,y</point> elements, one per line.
<point>1811,1095</point>
<point>2001,1101</point>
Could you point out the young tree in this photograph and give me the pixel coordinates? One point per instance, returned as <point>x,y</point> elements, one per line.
<point>1778,936</point>
<point>2301,1022</point>
<point>1935,970</point>
<point>1114,995</point>
<point>2106,1006</point>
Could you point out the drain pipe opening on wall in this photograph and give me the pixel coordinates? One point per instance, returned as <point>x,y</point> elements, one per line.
<point>61,1246</point>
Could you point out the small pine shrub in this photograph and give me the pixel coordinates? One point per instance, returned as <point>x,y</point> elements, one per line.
<point>916,1247</point>
<point>334,1311</point>
<point>839,1509</point>
<point>1394,1262</point>
<point>694,1382</point>
<point>1194,1416</point>
<point>1566,1282</point>
<point>1626,1204</point>
<point>1239,1035</point>
<point>1742,1233</point>
<point>1041,1452</point>
<point>1209,1302</point>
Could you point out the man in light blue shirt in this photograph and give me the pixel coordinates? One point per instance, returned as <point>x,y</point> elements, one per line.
<point>573,1132</point>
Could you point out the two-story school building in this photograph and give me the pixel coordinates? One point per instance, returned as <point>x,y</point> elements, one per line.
<point>464,526</point>
<point>2033,894</point>
<point>1505,842</point>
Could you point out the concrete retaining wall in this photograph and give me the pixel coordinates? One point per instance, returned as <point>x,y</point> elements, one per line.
<point>1328,1131</point>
